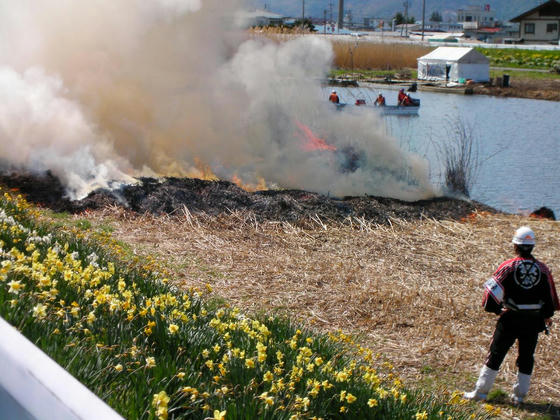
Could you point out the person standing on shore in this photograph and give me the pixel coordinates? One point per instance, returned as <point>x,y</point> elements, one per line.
<point>523,294</point>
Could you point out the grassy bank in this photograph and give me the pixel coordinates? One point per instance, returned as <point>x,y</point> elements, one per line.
<point>153,351</point>
<point>409,290</point>
<point>526,75</point>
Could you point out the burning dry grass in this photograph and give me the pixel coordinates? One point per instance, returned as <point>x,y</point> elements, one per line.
<point>411,290</point>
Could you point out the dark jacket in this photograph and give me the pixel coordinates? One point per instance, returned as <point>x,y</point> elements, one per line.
<point>524,287</point>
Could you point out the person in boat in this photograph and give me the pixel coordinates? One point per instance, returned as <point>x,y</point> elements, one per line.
<point>334,97</point>
<point>380,101</point>
<point>523,294</point>
<point>403,99</point>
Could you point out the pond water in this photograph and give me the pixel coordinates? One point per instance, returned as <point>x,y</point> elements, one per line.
<point>518,142</point>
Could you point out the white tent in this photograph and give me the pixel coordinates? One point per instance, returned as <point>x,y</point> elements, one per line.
<point>454,63</point>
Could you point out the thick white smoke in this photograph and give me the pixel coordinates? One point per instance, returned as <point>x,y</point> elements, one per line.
<point>105,90</point>
<point>42,130</point>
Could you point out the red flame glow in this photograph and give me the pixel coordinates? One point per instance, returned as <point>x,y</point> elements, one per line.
<point>310,140</point>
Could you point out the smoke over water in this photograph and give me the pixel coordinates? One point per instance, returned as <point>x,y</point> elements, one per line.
<point>105,91</point>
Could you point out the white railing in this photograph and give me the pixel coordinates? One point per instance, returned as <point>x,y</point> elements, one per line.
<point>33,386</point>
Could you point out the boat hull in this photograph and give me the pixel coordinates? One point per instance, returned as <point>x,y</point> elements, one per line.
<point>397,110</point>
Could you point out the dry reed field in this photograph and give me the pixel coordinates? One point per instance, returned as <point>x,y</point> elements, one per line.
<point>369,55</point>
<point>409,290</point>
<point>356,53</point>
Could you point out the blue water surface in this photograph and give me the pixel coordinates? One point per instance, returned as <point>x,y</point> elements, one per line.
<point>518,142</point>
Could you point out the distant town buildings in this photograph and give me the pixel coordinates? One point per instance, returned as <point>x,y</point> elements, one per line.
<point>475,22</point>
<point>262,18</point>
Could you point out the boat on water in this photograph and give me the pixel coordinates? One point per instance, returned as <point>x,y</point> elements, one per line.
<point>405,110</point>
<point>399,110</point>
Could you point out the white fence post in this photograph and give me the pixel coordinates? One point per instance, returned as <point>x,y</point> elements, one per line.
<point>33,386</point>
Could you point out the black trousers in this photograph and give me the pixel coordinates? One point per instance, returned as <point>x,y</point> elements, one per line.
<point>509,328</point>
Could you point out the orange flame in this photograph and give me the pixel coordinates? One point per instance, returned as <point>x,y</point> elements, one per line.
<point>311,141</point>
<point>202,171</point>
<point>260,186</point>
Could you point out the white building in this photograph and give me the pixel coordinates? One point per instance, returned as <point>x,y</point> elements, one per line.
<point>540,24</point>
<point>261,18</point>
<point>474,17</point>
<point>454,63</point>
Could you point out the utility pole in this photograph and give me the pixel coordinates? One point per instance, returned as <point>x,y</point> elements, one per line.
<point>423,17</point>
<point>340,14</point>
<point>302,14</point>
<point>325,22</point>
<point>406,18</point>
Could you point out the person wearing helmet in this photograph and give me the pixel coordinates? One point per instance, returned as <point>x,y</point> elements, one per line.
<point>334,97</point>
<point>380,101</point>
<point>523,294</point>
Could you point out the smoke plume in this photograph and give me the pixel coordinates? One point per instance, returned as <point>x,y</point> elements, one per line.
<point>107,90</point>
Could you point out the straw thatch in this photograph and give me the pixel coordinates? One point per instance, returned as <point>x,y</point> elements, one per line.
<point>410,289</point>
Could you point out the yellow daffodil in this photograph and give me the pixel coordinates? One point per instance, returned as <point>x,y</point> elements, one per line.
<point>350,398</point>
<point>160,402</point>
<point>421,416</point>
<point>15,286</point>
<point>219,415</point>
<point>268,376</point>
<point>40,311</point>
<point>382,393</point>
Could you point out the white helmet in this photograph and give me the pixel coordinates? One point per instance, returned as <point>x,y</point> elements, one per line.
<point>524,236</point>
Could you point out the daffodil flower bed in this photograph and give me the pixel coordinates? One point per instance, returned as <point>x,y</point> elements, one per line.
<point>151,351</point>
<point>510,57</point>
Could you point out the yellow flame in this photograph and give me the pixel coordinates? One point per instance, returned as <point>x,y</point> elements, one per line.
<point>202,170</point>
<point>259,186</point>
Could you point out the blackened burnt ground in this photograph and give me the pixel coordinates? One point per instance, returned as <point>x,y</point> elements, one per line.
<point>173,195</point>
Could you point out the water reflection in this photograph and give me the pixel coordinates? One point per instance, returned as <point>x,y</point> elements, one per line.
<point>519,142</point>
